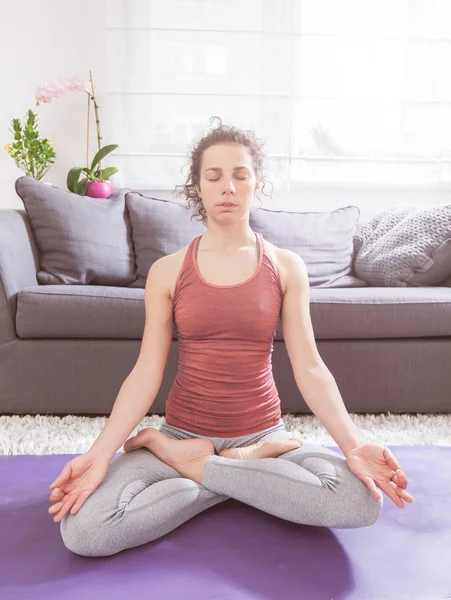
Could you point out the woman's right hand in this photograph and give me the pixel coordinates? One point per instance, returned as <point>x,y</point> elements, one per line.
<point>77,481</point>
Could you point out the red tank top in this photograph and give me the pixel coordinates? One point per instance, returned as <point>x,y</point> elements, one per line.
<point>224,385</point>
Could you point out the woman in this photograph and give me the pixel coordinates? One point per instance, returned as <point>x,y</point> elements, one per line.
<point>222,436</point>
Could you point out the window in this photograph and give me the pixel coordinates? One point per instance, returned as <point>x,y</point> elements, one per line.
<point>355,92</point>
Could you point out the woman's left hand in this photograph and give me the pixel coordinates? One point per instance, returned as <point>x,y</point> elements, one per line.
<point>375,465</point>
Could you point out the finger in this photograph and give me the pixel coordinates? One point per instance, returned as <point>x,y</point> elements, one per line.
<point>372,487</point>
<point>392,462</point>
<point>55,508</point>
<point>390,489</point>
<point>58,481</point>
<point>63,476</point>
<point>400,479</point>
<point>80,501</point>
<point>59,493</point>
<point>67,504</point>
<point>406,496</point>
<point>56,495</point>
<point>57,518</point>
<point>401,492</point>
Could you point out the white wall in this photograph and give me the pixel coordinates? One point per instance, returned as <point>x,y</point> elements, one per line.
<point>40,41</point>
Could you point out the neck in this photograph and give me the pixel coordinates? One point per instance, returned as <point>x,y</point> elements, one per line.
<point>228,242</point>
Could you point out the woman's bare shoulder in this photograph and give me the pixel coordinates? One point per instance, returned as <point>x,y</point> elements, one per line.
<point>173,264</point>
<point>279,258</point>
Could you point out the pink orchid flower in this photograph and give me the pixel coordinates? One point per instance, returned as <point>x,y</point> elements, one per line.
<point>57,88</point>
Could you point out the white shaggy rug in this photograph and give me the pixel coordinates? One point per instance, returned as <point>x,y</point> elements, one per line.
<point>41,434</point>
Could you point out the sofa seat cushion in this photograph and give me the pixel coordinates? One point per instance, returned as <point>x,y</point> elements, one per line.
<point>80,311</point>
<point>86,311</point>
<point>380,312</point>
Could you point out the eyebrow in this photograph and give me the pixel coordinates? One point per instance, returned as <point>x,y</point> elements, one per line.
<point>219,168</point>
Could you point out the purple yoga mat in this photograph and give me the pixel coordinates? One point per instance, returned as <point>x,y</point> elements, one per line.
<point>233,551</point>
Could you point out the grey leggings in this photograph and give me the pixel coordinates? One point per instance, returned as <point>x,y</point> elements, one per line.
<point>142,498</point>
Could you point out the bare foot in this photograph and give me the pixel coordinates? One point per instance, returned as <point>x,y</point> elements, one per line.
<point>188,457</point>
<point>270,448</point>
<point>140,440</point>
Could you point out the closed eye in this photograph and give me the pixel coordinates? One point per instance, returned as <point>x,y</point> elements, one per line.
<point>219,178</point>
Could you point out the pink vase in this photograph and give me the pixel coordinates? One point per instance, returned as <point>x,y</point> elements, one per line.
<point>99,189</point>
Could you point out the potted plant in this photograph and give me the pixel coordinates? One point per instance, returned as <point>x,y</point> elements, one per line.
<point>32,154</point>
<point>96,183</point>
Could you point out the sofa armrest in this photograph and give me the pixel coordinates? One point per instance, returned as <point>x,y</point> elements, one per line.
<point>19,263</point>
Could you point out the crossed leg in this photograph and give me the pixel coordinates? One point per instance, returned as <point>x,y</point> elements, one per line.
<point>309,485</point>
<point>142,498</point>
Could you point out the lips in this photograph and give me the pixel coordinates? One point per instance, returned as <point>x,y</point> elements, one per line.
<point>227,204</point>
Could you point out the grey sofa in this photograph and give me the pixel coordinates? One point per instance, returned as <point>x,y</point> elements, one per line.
<point>66,349</point>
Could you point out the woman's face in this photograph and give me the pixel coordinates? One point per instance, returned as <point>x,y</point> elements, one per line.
<point>227,175</point>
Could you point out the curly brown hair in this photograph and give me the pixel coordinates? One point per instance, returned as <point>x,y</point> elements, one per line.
<point>220,134</point>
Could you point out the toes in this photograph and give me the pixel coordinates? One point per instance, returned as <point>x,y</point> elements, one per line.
<point>298,442</point>
<point>289,443</point>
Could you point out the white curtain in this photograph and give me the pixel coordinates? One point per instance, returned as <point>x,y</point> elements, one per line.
<point>342,91</point>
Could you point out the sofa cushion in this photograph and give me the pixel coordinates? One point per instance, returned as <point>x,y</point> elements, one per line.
<point>323,239</point>
<point>405,245</point>
<point>159,228</point>
<point>102,312</point>
<point>81,240</point>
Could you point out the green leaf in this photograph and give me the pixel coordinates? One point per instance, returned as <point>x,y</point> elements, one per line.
<point>81,188</point>
<point>72,178</point>
<point>101,154</point>
<point>106,173</point>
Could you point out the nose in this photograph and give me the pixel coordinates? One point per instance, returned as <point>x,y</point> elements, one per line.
<point>228,187</point>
